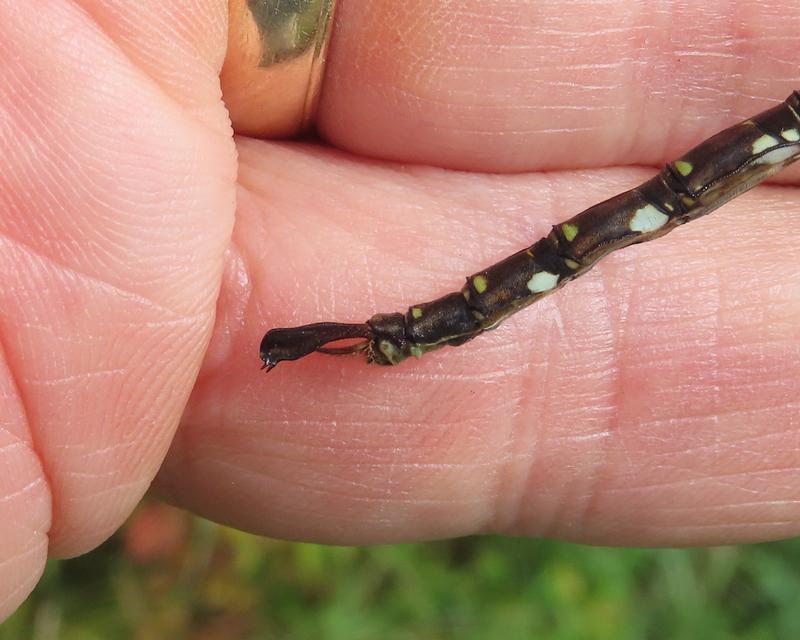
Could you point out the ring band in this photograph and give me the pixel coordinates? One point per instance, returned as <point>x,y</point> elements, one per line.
<point>273,69</point>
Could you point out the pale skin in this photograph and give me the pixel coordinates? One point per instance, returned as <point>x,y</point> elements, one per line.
<point>652,402</point>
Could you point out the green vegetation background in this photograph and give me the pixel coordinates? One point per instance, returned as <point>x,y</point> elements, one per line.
<point>169,575</point>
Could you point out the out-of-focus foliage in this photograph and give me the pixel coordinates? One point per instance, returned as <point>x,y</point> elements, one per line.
<point>168,575</point>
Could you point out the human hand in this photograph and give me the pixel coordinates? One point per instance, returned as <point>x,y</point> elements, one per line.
<point>652,402</point>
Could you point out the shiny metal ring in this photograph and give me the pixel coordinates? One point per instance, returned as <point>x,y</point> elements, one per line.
<point>274,64</point>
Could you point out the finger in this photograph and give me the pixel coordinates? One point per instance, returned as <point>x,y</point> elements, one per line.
<point>117,202</point>
<point>498,86</point>
<point>653,401</point>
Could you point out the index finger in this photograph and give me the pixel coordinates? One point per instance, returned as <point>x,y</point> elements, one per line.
<point>490,85</point>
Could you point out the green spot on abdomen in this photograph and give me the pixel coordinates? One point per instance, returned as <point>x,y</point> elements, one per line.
<point>570,231</point>
<point>542,281</point>
<point>763,143</point>
<point>648,219</point>
<point>416,313</point>
<point>392,353</point>
<point>683,167</point>
<point>480,283</point>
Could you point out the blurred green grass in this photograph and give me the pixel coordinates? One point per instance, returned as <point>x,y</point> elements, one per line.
<point>170,575</point>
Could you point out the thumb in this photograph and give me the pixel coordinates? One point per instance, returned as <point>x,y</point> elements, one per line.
<point>116,204</point>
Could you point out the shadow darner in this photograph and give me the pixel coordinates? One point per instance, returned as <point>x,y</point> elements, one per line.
<point>715,171</point>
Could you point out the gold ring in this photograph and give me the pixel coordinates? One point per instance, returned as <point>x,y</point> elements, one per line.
<point>274,64</point>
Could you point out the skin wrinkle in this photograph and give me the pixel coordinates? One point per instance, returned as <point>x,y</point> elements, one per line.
<point>513,519</point>
<point>310,486</point>
<point>744,413</point>
<point>511,512</point>
<point>581,516</point>
<point>120,488</point>
<point>230,313</point>
<point>4,562</point>
<point>728,508</point>
<point>7,497</point>
<point>713,480</point>
<point>780,525</point>
<point>717,492</point>
<point>40,542</point>
<point>733,450</point>
<point>508,493</point>
<point>12,446</point>
<point>516,523</point>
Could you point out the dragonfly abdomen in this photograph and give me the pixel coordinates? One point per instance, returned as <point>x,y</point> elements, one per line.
<point>707,176</point>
